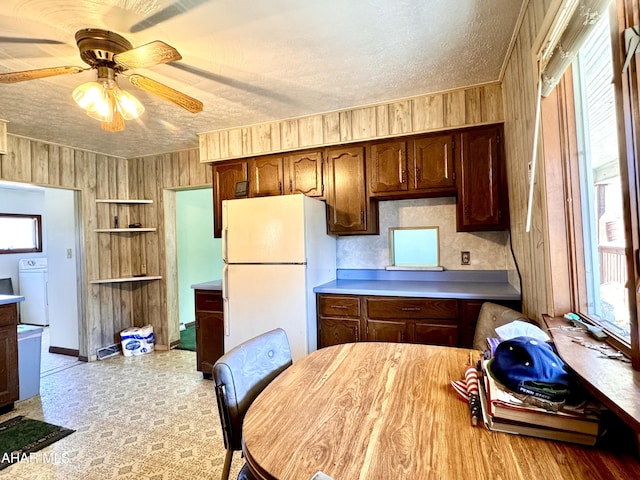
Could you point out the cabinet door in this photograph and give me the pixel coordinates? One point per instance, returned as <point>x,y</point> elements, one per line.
<point>265,176</point>
<point>209,340</point>
<point>433,333</point>
<point>481,189</point>
<point>303,174</point>
<point>9,358</point>
<point>387,167</point>
<point>335,331</point>
<point>225,177</point>
<point>434,164</point>
<point>387,331</point>
<point>348,208</point>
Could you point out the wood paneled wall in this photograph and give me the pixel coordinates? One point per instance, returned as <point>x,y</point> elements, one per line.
<point>470,106</point>
<point>112,307</point>
<point>519,90</point>
<point>3,136</point>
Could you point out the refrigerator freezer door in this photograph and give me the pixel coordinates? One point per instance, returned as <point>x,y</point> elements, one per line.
<point>260,298</point>
<point>264,230</point>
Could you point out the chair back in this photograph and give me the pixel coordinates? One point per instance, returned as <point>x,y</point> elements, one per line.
<point>490,317</point>
<point>242,373</point>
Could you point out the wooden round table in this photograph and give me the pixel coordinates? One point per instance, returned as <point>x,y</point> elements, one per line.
<point>386,411</point>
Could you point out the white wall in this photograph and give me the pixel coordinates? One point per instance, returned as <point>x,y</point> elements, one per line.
<point>60,228</point>
<point>489,250</point>
<point>28,200</point>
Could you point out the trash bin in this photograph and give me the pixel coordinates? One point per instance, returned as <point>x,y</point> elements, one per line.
<point>29,353</point>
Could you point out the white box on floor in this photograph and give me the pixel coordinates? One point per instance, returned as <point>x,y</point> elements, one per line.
<point>137,341</point>
<point>29,356</point>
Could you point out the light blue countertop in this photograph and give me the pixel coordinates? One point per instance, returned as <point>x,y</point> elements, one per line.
<point>213,285</point>
<point>6,299</point>
<point>473,285</point>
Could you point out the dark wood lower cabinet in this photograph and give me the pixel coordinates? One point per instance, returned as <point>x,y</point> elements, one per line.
<point>9,388</point>
<point>430,321</point>
<point>209,330</point>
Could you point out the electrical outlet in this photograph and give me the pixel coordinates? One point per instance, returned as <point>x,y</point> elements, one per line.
<point>69,253</point>
<point>465,258</point>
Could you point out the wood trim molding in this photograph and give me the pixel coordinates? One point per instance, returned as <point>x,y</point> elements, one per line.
<point>471,106</point>
<point>64,351</point>
<point>3,137</point>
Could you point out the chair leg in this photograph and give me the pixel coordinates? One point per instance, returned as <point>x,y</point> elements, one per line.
<point>227,465</point>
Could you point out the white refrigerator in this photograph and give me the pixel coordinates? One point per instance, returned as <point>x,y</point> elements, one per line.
<point>275,251</point>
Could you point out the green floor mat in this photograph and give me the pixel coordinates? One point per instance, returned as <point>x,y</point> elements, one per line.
<point>21,436</point>
<point>188,339</point>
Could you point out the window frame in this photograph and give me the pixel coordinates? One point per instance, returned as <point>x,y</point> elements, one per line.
<point>38,233</point>
<point>561,158</point>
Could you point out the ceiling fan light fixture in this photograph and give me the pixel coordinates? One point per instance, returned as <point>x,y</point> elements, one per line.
<point>104,99</point>
<point>129,106</point>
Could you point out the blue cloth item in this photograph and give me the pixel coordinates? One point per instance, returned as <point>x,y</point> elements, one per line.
<point>531,367</point>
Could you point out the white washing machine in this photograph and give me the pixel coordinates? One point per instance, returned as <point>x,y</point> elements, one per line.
<point>33,287</point>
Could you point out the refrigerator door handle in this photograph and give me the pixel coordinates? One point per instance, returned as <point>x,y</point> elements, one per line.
<point>225,299</point>
<point>224,245</point>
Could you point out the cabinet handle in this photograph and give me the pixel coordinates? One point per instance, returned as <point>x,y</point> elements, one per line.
<point>357,335</point>
<point>339,306</point>
<point>401,336</point>
<point>290,186</point>
<point>418,174</point>
<point>411,309</point>
<point>362,217</point>
<point>400,168</point>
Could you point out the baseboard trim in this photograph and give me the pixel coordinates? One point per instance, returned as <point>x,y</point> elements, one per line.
<point>190,324</point>
<point>64,351</point>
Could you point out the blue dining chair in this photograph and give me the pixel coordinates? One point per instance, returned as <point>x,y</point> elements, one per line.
<point>239,376</point>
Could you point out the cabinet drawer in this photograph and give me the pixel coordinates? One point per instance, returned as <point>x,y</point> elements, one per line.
<point>393,307</point>
<point>209,301</point>
<point>338,306</point>
<point>8,315</point>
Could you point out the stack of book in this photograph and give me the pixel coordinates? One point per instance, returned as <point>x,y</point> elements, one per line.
<point>504,412</point>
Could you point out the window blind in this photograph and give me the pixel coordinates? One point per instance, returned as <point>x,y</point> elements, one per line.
<point>583,20</point>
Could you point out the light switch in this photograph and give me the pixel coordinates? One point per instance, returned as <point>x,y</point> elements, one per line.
<point>69,253</point>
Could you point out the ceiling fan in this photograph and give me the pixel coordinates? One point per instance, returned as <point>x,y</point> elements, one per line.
<point>111,55</point>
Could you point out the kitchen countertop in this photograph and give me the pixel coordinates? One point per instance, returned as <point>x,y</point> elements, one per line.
<point>465,285</point>
<point>6,299</point>
<point>213,285</point>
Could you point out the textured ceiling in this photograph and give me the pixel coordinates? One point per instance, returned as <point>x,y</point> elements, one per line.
<point>248,61</point>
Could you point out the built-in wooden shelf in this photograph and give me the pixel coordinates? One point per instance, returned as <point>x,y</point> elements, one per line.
<point>127,279</point>
<point>615,383</point>
<point>123,230</point>
<point>116,200</point>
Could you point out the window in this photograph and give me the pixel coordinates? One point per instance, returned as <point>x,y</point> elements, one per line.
<point>20,233</point>
<point>603,222</point>
<point>414,247</point>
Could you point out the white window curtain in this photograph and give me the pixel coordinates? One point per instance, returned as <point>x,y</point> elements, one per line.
<point>574,21</point>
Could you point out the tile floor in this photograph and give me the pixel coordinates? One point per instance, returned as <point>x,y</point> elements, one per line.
<point>150,417</point>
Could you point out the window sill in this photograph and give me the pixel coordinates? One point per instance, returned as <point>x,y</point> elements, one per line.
<point>615,383</point>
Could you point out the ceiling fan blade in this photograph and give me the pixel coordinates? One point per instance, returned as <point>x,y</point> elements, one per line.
<point>14,77</point>
<point>148,55</point>
<point>46,41</point>
<point>167,13</point>
<point>156,88</point>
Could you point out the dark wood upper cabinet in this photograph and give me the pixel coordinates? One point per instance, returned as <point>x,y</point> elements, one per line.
<point>265,176</point>
<point>225,176</point>
<point>349,209</point>
<point>413,168</point>
<point>434,164</point>
<point>387,165</point>
<point>482,194</point>
<point>303,174</point>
